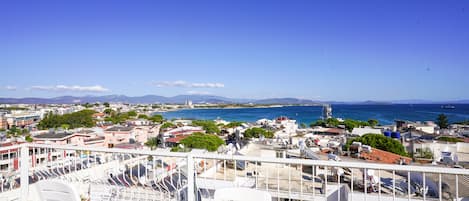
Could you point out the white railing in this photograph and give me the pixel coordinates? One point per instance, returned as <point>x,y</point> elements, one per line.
<point>121,174</point>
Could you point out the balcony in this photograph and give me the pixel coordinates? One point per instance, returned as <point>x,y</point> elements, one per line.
<point>121,174</point>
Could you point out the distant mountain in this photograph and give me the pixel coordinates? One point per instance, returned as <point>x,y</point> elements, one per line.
<point>412,101</point>
<point>369,102</point>
<point>419,101</point>
<point>205,99</point>
<point>180,99</point>
<point>284,101</point>
<point>459,102</point>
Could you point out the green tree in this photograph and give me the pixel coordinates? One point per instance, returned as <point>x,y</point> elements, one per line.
<point>203,141</point>
<point>87,105</point>
<point>209,126</point>
<point>373,122</point>
<point>152,143</point>
<point>106,104</point>
<point>442,121</point>
<point>14,131</point>
<point>379,141</point>
<point>167,125</point>
<point>331,122</point>
<point>319,122</point>
<point>142,116</point>
<point>108,111</point>
<point>303,125</point>
<point>132,113</point>
<point>257,132</point>
<point>117,117</point>
<point>157,118</point>
<point>449,139</point>
<point>350,124</point>
<point>13,108</point>
<point>234,124</point>
<point>175,149</point>
<point>78,119</point>
<point>425,153</point>
<point>28,138</point>
<point>65,126</point>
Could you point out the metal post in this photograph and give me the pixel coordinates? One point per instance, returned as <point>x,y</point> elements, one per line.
<point>24,172</point>
<point>190,178</point>
<point>457,187</point>
<point>408,185</point>
<point>9,160</point>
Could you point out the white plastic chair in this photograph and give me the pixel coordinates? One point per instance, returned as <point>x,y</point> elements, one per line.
<point>54,190</point>
<point>241,194</point>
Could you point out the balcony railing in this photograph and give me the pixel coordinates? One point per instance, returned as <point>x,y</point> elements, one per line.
<point>121,174</point>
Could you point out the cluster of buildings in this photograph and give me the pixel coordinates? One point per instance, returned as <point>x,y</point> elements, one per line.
<point>27,115</point>
<point>289,140</point>
<point>18,119</point>
<point>415,136</point>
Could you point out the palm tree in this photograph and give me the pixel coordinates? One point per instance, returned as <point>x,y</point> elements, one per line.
<point>152,143</point>
<point>442,121</point>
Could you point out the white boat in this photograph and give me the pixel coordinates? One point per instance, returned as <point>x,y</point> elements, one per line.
<point>448,107</point>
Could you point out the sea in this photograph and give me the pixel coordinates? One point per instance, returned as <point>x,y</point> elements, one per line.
<point>385,114</point>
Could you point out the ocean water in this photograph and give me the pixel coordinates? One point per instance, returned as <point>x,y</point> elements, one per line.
<point>385,114</point>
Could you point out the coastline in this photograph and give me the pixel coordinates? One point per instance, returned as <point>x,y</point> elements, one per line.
<point>385,114</point>
<point>233,107</point>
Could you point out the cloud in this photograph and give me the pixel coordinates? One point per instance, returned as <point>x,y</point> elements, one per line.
<point>76,88</point>
<point>10,88</point>
<point>181,83</point>
<point>193,92</point>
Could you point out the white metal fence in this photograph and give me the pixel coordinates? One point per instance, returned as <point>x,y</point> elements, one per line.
<point>120,174</point>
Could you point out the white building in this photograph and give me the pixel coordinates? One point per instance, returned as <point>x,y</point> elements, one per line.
<point>285,127</point>
<point>425,128</point>
<point>184,130</point>
<point>366,130</point>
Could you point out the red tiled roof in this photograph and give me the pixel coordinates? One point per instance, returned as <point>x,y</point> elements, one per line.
<point>282,118</point>
<point>176,139</point>
<point>98,115</point>
<point>334,130</point>
<point>185,132</point>
<point>381,156</point>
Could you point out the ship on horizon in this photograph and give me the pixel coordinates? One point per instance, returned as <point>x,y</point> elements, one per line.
<point>448,107</point>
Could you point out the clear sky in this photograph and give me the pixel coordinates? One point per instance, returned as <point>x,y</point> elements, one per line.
<point>322,50</point>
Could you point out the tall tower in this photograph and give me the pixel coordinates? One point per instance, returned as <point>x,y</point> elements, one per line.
<point>326,111</point>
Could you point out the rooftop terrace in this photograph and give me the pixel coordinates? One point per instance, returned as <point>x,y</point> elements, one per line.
<point>123,174</point>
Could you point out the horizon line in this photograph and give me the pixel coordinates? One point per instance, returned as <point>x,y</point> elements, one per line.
<point>253,99</point>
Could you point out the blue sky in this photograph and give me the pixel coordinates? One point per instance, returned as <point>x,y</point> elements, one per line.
<point>322,50</point>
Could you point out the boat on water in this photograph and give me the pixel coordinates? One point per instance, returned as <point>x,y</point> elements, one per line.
<point>448,107</point>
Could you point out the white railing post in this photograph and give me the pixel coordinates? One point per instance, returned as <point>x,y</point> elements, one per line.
<point>190,178</point>
<point>24,172</point>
